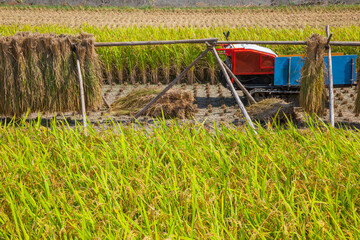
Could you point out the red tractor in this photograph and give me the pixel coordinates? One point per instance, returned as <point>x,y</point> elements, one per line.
<point>253,65</point>
<point>263,72</point>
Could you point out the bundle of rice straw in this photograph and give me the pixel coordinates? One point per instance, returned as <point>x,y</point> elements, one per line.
<point>357,101</point>
<point>312,91</point>
<point>174,104</point>
<point>38,73</point>
<point>270,108</point>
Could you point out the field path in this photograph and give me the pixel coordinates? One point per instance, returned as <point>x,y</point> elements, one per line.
<point>272,18</point>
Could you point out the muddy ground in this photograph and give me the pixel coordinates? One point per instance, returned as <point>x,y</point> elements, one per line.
<point>215,105</point>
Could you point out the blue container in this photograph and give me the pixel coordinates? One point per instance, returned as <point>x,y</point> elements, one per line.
<point>344,70</point>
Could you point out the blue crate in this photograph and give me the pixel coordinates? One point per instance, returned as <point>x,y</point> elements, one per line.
<point>344,72</point>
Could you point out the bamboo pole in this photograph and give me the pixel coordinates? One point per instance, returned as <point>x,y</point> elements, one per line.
<point>106,102</point>
<point>170,85</point>
<point>167,42</point>
<point>245,91</point>
<point>331,82</point>
<point>81,87</point>
<point>264,42</point>
<point>334,43</point>
<point>232,89</point>
<point>215,40</point>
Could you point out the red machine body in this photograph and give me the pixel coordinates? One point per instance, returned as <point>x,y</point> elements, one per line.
<point>250,59</point>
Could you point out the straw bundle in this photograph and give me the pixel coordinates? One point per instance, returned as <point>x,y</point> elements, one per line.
<point>312,91</point>
<point>357,101</point>
<point>270,108</point>
<point>174,104</point>
<point>38,73</point>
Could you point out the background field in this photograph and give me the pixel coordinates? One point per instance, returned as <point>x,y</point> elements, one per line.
<point>271,17</point>
<point>161,63</point>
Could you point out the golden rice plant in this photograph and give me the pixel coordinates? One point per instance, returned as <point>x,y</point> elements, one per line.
<point>38,73</point>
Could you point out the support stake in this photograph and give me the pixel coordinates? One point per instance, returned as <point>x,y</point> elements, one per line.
<point>331,87</point>
<point>232,89</point>
<point>170,85</point>
<point>81,87</point>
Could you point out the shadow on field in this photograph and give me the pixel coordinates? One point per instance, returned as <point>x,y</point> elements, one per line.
<point>203,102</point>
<point>45,122</point>
<point>48,122</point>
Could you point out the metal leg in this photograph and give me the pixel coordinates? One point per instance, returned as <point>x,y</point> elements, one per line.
<point>232,89</point>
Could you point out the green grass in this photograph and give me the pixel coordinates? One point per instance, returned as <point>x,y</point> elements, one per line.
<point>162,63</point>
<point>179,182</point>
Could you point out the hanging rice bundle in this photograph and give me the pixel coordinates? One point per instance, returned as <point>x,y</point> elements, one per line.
<point>174,104</point>
<point>38,73</point>
<point>312,91</point>
<point>357,101</point>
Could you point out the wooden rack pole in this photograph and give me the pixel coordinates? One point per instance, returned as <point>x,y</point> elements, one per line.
<point>232,89</point>
<point>215,40</point>
<point>264,42</point>
<point>331,82</point>
<point>81,87</point>
<point>333,43</point>
<point>170,85</point>
<point>167,42</point>
<point>236,80</point>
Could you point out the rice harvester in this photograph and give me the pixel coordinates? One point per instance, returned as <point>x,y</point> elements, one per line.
<point>263,72</point>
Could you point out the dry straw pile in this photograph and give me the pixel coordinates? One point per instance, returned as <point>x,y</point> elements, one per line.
<point>271,108</point>
<point>312,91</point>
<point>38,73</point>
<point>174,104</point>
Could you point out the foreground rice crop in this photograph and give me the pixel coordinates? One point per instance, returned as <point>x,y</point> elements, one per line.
<point>162,63</point>
<point>179,182</point>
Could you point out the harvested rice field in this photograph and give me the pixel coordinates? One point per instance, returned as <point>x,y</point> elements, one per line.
<point>201,173</point>
<point>272,17</point>
<point>214,105</point>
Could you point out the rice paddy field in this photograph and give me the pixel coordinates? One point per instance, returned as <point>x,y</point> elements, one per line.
<point>210,177</point>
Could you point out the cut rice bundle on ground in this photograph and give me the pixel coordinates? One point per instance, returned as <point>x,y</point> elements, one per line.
<point>270,108</point>
<point>38,73</point>
<point>312,91</point>
<point>174,104</point>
